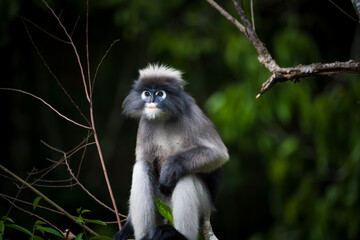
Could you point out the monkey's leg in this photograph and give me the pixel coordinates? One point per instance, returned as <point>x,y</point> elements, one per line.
<point>190,203</point>
<point>142,207</point>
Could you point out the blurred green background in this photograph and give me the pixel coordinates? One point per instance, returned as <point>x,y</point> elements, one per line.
<point>294,170</point>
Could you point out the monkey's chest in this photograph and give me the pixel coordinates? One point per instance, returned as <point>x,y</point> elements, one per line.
<point>166,145</point>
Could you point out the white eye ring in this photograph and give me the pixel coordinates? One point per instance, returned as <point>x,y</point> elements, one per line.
<point>161,94</point>
<point>145,95</point>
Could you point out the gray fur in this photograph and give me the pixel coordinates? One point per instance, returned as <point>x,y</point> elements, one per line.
<point>173,151</point>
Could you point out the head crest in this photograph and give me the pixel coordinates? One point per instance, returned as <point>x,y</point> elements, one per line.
<point>161,71</point>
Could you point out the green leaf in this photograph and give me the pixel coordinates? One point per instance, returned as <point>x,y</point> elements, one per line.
<point>21,229</point>
<point>79,236</point>
<point>36,202</point>
<point>96,222</point>
<point>9,219</point>
<point>80,219</point>
<point>101,237</point>
<point>85,211</point>
<point>79,210</point>
<point>2,227</point>
<point>164,210</point>
<point>39,222</point>
<point>50,230</point>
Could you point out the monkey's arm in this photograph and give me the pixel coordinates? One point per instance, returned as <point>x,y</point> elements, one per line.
<point>199,159</point>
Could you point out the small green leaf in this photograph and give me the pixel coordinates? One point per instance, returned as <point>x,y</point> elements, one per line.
<point>36,202</point>
<point>21,229</point>
<point>85,211</point>
<point>101,237</point>
<point>79,236</point>
<point>2,227</point>
<point>9,219</point>
<point>164,210</point>
<point>39,222</point>
<point>96,222</point>
<point>80,219</point>
<point>50,230</point>
<point>78,210</point>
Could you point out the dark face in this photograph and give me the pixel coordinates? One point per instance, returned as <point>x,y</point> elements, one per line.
<point>157,98</point>
<point>153,99</point>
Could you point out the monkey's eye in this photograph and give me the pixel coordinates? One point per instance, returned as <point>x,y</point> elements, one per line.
<point>161,94</point>
<point>145,95</point>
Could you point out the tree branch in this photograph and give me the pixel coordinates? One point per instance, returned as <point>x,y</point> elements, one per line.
<point>47,200</point>
<point>279,74</point>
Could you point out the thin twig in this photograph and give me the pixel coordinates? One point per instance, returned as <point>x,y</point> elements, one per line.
<point>48,200</point>
<point>47,104</point>
<point>76,22</point>
<point>43,30</point>
<point>64,158</point>
<point>342,10</point>
<point>227,15</point>
<point>87,46</point>
<point>103,167</point>
<point>74,47</point>
<point>52,74</point>
<point>84,189</point>
<point>102,59</point>
<point>83,154</point>
<point>252,13</point>
<point>264,57</point>
<point>30,213</point>
<point>18,193</point>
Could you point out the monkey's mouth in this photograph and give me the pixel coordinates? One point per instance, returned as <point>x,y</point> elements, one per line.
<point>151,110</point>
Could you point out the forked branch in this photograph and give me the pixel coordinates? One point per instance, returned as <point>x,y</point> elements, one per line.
<point>279,74</point>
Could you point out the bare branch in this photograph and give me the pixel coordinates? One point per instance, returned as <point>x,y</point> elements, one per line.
<point>28,212</point>
<point>104,167</point>
<point>264,55</point>
<point>52,74</point>
<point>87,46</point>
<point>315,69</point>
<point>76,22</point>
<point>74,47</point>
<point>102,59</point>
<point>47,104</point>
<point>43,30</point>
<point>227,15</point>
<point>279,74</point>
<point>47,200</point>
<point>342,10</point>
<point>252,14</point>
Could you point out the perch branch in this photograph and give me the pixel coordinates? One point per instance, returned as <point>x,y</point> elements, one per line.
<point>303,71</point>
<point>279,74</point>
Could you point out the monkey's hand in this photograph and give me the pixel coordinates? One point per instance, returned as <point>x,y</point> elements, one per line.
<point>170,174</point>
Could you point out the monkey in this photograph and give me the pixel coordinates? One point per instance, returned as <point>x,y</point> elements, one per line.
<point>179,157</point>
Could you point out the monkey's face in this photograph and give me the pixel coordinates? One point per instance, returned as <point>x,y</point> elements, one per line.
<point>157,98</point>
<point>153,102</point>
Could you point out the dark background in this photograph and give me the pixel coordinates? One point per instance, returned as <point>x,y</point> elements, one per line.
<point>294,153</point>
